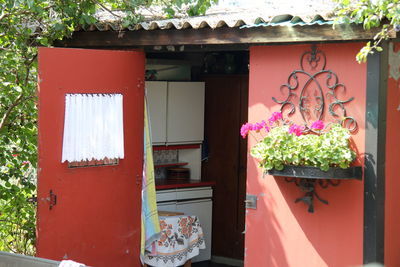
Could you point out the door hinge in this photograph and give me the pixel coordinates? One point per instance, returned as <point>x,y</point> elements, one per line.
<point>139,179</point>
<point>52,198</point>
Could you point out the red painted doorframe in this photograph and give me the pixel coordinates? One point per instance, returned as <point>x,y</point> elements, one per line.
<point>96,220</point>
<point>392,182</point>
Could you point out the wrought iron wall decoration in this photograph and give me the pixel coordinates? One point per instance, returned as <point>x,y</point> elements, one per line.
<point>308,177</point>
<point>310,81</point>
<point>315,58</point>
<point>308,186</point>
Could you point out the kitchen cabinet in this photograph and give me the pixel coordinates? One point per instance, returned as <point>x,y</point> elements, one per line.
<point>176,111</point>
<point>156,95</point>
<point>191,201</point>
<point>185,112</point>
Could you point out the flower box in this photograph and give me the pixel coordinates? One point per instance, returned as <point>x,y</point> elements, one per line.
<point>310,172</point>
<point>305,153</point>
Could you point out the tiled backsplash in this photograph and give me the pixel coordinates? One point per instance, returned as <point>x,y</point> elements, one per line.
<point>164,156</point>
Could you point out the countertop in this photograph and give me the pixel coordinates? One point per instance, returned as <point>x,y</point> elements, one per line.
<point>168,184</point>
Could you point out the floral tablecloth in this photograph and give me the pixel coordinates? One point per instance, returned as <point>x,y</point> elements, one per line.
<point>181,239</point>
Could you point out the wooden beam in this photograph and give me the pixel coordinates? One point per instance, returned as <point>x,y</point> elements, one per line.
<point>219,36</point>
<point>375,153</point>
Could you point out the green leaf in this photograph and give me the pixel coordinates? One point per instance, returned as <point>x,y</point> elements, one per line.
<point>371,14</point>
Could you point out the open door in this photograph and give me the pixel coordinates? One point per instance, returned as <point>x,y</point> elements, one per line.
<point>91,214</point>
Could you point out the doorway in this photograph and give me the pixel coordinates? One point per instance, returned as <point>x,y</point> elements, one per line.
<point>224,152</point>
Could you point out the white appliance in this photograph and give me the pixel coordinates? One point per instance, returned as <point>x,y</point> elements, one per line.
<point>191,201</point>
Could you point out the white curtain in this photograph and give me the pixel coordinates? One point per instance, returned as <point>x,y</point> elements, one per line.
<point>93,127</point>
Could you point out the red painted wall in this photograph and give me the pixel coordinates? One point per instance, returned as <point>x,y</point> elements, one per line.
<point>97,217</point>
<point>279,232</point>
<point>392,186</point>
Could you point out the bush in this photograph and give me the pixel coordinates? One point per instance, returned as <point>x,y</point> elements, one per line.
<point>17,208</point>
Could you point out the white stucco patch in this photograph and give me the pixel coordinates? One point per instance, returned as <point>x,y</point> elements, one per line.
<point>394,63</point>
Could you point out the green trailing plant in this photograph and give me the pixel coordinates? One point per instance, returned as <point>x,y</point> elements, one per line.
<point>284,143</point>
<point>370,13</point>
<point>24,25</point>
<point>18,209</point>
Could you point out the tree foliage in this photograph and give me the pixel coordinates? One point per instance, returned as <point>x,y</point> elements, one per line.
<point>25,24</point>
<point>371,13</point>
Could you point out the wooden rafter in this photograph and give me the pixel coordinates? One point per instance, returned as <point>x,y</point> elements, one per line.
<point>219,36</point>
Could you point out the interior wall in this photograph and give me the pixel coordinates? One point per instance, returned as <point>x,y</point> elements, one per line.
<point>392,186</point>
<point>280,232</point>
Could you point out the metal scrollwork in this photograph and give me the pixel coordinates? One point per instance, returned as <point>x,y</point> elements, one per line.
<point>312,100</point>
<point>309,187</point>
<point>319,90</point>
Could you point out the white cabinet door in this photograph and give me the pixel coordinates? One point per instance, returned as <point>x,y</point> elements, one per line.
<point>203,210</point>
<point>194,193</point>
<point>185,112</point>
<point>166,195</point>
<point>157,101</point>
<point>167,206</point>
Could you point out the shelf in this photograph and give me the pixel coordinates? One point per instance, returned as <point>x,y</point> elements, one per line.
<point>167,184</point>
<point>170,164</point>
<point>176,147</point>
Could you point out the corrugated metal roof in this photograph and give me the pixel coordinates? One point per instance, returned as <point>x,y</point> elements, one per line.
<point>212,22</point>
<point>295,21</point>
<point>275,13</point>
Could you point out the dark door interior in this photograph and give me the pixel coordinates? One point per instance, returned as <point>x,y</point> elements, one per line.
<point>225,111</point>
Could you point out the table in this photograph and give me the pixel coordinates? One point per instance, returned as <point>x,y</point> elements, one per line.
<point>181,239</point>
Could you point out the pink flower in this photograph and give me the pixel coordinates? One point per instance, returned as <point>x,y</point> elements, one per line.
<point>296,129</point>
<point>318,125</point>
<point>265,125</point>
<point>25,162</point>
<point>274,117</point>
<point>244,131</point>
<point>259,125</point>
